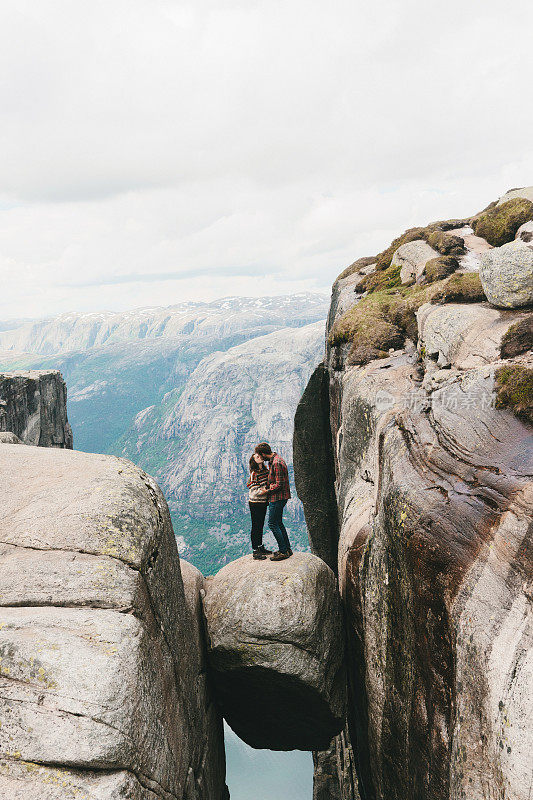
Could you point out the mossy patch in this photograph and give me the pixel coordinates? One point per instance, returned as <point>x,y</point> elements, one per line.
<point>438,268</point>
<point>446,243</point>
<point>514,390</point>
<point>380,279</point>
<point>384,319</point>
<point>498,225</point>
<point>462,287</point>
<point>435,234</point>
<point>518,338</point>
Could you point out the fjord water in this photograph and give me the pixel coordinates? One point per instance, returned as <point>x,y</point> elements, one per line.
<point>265,774</point>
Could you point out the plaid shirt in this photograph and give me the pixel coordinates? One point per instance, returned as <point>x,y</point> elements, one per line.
<point>278,480</point>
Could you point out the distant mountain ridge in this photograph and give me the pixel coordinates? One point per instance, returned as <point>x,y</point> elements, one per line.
<point>77,331</point>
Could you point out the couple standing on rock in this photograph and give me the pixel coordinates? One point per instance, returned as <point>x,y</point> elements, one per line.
<point>268,488</point>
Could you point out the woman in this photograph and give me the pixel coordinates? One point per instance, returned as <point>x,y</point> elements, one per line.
<point>258,503</point>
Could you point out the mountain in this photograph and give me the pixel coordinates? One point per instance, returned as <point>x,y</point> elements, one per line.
<point>140,383</point>
<point>221,319</point>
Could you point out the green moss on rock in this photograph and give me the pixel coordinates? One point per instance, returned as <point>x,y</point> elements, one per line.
<point>462,287</point>
<point>499,224</point>
<point>438,268</point>
<point>446,243</point>
<point>514,390</point>
<point>384,319</point>
<point>518,338</point>
<point>435,234</point>
<point>380,279</point>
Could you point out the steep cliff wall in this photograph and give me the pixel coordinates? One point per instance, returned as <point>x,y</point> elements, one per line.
<point>430,411</point>
<point>103,686</point>
<point>33,406</point>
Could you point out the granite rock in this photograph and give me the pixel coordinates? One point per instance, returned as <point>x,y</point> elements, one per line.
<point>276,648</point>
<point>506,275</point>
<point>102,674</point>
<point>412,258</point>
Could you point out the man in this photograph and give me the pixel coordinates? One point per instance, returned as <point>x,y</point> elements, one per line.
<point>278,494</point>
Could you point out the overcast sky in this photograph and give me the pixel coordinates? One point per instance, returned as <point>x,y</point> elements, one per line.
<point>153,151</point>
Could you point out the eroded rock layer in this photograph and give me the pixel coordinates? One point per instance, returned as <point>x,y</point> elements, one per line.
<point>429,422</point>
<point>33,407</point>
<point>276,647</point>
<point>103,689</point>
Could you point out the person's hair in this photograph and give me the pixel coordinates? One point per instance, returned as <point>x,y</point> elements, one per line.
<point>254,466</point>
<point>264,449</point>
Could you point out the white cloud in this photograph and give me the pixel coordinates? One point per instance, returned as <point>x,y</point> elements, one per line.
<point>243,147</point>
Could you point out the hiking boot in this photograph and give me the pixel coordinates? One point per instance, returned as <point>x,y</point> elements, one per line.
<point>258,555</point>
<point>280,556</point>
<point>262,549</point>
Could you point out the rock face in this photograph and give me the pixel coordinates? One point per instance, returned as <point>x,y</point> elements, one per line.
<point>33,407</point>
<point>507,274</point>
<point>102,675</point>
<point>276,647</point>
<point>434,551</point>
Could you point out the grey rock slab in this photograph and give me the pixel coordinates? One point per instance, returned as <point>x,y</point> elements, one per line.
<point>25,780</point>
<point>84,687</point>
<point>61,578</point>
<point>412,258</point>
<point>276,648</point>
<point>506,275</point>
<point>464,335</point>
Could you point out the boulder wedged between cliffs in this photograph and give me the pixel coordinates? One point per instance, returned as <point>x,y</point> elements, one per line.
<point>276,650</point>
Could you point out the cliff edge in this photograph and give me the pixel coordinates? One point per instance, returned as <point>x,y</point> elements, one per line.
<point>104,693</point>
<point>423,410</point>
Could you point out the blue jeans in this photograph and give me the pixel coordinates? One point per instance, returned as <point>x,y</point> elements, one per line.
<point>275,523</point>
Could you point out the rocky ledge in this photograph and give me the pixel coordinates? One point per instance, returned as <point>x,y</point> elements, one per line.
<point>33,407</point>
<point>276,648</point>
<point>422,412</point>
<point>103,686</point>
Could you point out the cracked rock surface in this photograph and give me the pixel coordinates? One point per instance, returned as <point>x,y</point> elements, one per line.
<point>103,690</point>
<point>276,647</point>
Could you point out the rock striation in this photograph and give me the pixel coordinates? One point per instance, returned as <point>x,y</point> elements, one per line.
<point>432,464</point>
<point>276,648</point>
<point>33,407</point>
<point>104,692</point>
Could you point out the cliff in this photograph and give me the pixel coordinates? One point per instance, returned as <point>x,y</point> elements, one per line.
<point>104,692</point>
<point>422,501</point>
<point>33,407</point>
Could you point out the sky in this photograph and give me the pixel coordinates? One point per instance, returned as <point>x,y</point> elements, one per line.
<point>155,151</point>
